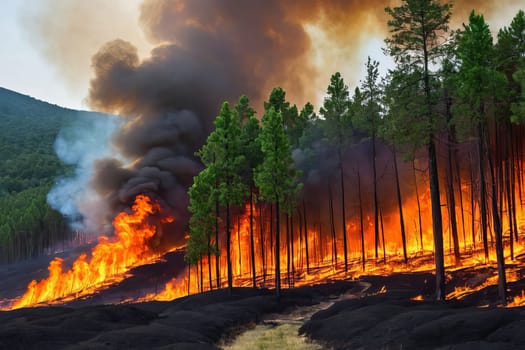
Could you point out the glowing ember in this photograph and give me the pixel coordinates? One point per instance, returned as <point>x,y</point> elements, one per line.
<point>110,259</point>
<point>518,300</point>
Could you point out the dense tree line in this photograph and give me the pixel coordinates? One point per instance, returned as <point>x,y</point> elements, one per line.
<point>455,101</point>
<point>28,169</point>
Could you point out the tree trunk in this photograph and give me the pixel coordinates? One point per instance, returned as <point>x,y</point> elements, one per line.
<point>376,205</point>
<point>288,265</point>
<point>420,221</point>
<point>482,192</point>
<point>292,240</point>
<point>277,251</point>
<point>502,281</point>
<point>452,205</point>
<point>472,204</point>
<point>436,220</point>
<point>343,211</point>
<point>228,250</point>
<point>400,206</point>
<point>458,177</point>
<point>252,240</point>
<point>332,226</point>
<point>383,235</point>
<point>363,253</point>
<point>217,255</point>
<point>239,260</point>
<point>306,238</point>
<point>261,234</point>
<point>210,278</point>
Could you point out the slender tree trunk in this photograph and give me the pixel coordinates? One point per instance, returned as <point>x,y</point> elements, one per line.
<point>288,265</point>
<point>252,241</point>
<point>228,250</point>
<point>306,238</point>
<point>376,205</point>
<point>452,205</point>
<point>509,208</point>
<point>210,279</point>
<point>292,250</point>
<point>277,251</point>
<point>363,253</point>
<point>332,226</point>
<point>201,284</point>
<point>502,281</point>
<point>261,234</point>
<point>239,260</point>
<point>272,257</point>
<point>383,235</point>
<point>400,206</point>
<point>420,221</point>
<point>458,177</point>
<point>217,254</point>
<point>472,204</point>
<point>436,221</point>
<point>482,192</point>
<point>343,210</point>
<point>513,184</point>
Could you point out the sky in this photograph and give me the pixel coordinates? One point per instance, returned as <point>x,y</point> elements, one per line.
<point>60,74</point>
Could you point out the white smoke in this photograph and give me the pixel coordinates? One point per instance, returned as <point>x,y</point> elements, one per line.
<point>79,144</point>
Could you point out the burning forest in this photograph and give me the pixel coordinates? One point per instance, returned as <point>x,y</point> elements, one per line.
<point>418,170</point>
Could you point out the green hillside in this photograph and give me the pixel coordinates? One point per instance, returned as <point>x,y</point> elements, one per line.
<point>28,167</point>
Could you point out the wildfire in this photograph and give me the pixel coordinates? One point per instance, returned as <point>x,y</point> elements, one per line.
<point>108,262</point>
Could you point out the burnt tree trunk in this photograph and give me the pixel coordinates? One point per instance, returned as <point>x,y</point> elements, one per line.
<point>217,255</point>
<point>363,253</point>
<point>306,238</point>
<point>436,220</point>
<point>332,226</point>
<point>277,250</point>
<point>228,250</point>
<point>376,205</point>
<point>452,205</point>
<point>502,281</point>
<point>400,206</point>
<point>252,240</point>
<point>420,221</point>
<point>343,210</point>
<point>482,192</point>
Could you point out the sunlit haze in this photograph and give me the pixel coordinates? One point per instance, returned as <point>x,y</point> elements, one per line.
<point>47,46</point>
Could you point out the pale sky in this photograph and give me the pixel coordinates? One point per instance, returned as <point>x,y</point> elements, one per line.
<point>30,67</point>
<point>22,67</point>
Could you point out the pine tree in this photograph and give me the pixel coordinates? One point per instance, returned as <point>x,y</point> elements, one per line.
<point>276,176</point>
<point>418,29</point>
<point>338,130</point>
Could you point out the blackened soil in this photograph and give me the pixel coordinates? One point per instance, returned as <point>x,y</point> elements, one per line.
<point>195,322</point>
<point>391,320</point>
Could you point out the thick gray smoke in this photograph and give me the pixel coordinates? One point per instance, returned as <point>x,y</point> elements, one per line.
<point>207,52</point>
<point>79,145</point>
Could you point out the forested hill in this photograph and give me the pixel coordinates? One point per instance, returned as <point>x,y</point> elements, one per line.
<point>28,128</point>
<point>28,167</point>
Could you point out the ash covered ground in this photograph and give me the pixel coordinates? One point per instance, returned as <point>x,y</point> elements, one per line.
<point>373,312</point>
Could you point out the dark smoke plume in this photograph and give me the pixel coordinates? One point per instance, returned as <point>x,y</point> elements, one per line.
<point>208,52</point>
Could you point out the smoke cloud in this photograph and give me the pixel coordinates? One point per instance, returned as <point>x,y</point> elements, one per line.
<point>79,145</point>
<point>207,52</point>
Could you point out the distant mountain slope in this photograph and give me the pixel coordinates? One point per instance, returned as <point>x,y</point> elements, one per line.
<point>28,128</point>
<point>28,168</point>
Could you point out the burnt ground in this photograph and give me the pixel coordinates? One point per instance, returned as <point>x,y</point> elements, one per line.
<point>363,315</point>
<point>392,320</point>
<point>194,322</point>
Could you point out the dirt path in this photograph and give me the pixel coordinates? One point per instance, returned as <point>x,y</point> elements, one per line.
<point>281,331</point>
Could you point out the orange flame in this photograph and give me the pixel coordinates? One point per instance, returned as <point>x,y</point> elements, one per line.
<point>110,259</point>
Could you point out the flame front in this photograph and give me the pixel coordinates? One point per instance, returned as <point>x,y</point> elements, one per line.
<point>110,259</point>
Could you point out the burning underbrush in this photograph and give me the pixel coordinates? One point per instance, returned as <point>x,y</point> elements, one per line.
<point>125,268</point>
